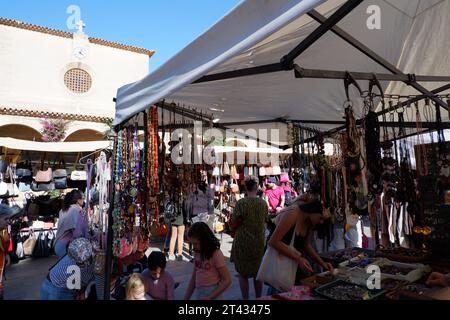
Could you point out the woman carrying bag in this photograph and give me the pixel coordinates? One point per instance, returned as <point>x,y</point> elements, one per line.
<point>292,239</point>
<point>248,222</point>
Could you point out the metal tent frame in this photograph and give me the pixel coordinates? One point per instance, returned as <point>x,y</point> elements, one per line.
<point>286,63</point>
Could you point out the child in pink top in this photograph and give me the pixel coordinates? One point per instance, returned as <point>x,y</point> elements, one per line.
<point>210,277</point>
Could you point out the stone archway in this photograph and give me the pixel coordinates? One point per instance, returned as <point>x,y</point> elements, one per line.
<point>20,131</point>
<point>85,135</point>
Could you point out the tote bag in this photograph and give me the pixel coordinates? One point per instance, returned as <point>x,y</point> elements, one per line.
<point>29,244</point>
<point>278,270</point>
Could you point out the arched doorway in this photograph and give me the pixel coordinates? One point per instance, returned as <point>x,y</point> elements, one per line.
<point>85,135</point>
<point>19,131</point>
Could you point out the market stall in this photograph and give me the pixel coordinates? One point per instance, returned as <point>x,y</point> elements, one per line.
<point>255,67</point>
<point>36,177</point>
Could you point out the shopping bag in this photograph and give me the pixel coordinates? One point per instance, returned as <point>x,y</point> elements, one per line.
<point>29,244</point>
<point>277,269</point>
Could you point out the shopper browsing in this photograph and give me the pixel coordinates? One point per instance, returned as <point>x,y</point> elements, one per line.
<point>72,223</point>
<point>178,228</point>
<point>274,196</point>
<point>301,217</point>
<point>59,284</point>
<point>247,251</point>
<point>159,283</point>
<point>210,277</point>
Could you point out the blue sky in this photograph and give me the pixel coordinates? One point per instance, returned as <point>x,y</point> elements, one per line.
<point>165,26</point>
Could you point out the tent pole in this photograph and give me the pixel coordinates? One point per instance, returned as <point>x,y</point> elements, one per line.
<point>109,237</point>
<point>331,74</point>
<point>286,62</point>
<point>323,28</point>
<point>371,54</point>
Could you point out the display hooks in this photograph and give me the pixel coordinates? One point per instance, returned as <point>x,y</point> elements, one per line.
<point>421,155</point>
<point>392,118</point>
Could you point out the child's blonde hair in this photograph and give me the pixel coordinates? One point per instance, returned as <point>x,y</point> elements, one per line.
<point>133,282</point>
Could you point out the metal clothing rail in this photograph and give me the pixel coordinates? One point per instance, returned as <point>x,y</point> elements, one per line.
<point>286,64</point>
<point>331,74</point>
<point>391,124</point>
<point>387,110</point>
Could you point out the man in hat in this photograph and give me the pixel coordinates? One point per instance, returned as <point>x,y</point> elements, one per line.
<point>274,196</point>
<point>6,214</point>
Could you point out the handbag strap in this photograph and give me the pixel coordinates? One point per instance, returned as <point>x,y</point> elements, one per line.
<point>51,268</point>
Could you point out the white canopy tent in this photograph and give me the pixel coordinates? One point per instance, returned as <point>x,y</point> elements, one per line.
<point>57,147</point>
<point>413,38</point>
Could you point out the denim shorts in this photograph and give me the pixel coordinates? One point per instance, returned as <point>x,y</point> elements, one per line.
<point>50,292</point>
<point>201,292</point>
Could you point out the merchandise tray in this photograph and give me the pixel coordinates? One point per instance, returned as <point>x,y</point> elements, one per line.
<point>339,256</point>
<point>417,270</point>
<point>358,262</point>
<point>366,293</point>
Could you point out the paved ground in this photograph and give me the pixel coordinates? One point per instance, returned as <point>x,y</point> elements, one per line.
<point>23,280</point>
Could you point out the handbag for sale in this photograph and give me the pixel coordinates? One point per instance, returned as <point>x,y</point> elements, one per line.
<point>216,171</point>
<point>41,249</point>
<point>19,247</point>
<point>51,237</point>
<point>262,171</point>
<point>219,227</point>
<point>23,172</point>
<point>124,249</point>
<point>29,244</point>
<point>233,171</point>
<point>226,169</point>
<point>13,189</point>
<point>3,188</point>
<point>78,176</point>
<point>60,173</point>
<point>276,170</point>
<point>60,183</point>
<point>44,176</point>
<point>3,166</point>
<point>33,210</point>
<point>24,186</point>
<point>45,186</point>
<point>277,269</point>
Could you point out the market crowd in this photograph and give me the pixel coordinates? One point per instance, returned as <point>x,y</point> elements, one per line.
<point>290,224</point>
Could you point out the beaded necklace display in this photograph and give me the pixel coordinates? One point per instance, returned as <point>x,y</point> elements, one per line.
<point>152,157</point>
<point>117,212</point>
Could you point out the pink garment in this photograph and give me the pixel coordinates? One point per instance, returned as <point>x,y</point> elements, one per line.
<point>160,289</point>
<point>206,272</point>
<point>274,197</point>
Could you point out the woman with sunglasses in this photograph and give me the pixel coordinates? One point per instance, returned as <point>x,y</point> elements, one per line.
<point>72,223</point>
<point>298,221</point>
